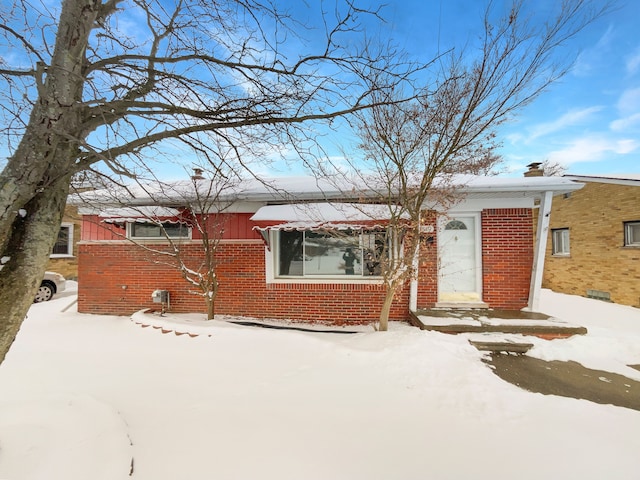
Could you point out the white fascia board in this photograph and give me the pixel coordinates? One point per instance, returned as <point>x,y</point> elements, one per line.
<point>476,205</point>
<point>526,186</point>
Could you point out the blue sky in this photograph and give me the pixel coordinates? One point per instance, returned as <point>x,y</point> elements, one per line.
<point>589,121</point>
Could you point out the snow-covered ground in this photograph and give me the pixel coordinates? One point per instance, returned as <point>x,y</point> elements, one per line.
<point>82,395</point>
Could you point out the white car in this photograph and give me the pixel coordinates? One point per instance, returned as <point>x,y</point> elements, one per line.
<point>52,283</point>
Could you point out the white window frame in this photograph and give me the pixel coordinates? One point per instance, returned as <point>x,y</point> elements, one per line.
<point>630,239</point>
<point>272,262</point>
<point>130,230</point>
<point>69,253</point>
<point>560,242</point>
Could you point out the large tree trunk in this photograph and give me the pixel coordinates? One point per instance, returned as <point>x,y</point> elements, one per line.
<point>35,183</point>
<point>32,238</point>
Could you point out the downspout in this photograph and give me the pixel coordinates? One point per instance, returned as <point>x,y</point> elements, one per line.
<point>415,264</point>
<point>413,286</point>
<point>542,232</point>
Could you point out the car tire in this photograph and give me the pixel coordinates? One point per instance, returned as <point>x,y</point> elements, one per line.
<point>45,292</point>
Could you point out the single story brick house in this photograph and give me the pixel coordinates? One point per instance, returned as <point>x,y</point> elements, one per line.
<point>277,257</point>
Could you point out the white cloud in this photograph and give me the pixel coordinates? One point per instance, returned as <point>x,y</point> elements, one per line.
<point>625,123</point>
<point>629,101</point>
<point>589,59</point>
<point>592,149</point>
<point>633,62</point>
<point>572,117</point>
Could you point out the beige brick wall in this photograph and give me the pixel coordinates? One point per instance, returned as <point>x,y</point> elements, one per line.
<point>598,260</point>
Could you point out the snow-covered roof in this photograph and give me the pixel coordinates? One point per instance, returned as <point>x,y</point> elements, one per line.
<point>327,212</point>
<point>298,189</point>
<point>631,179</point>
<point>338,216</point>
<point>142,214</point>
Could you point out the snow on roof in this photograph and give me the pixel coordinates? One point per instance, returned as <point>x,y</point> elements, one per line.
<point>142,214</point>
<point>338,216</point>
<point>617,178</point>
<point>323,212</point>
<point>308,188</point>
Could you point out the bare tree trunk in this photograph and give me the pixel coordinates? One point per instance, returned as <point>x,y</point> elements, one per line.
<point>211,303</point>
<point>31,241</point>
<point>35,183</point>
<point>211,306</point>
<point>383,324</point>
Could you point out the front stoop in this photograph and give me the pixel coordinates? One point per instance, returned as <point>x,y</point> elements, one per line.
<point>455,321</point>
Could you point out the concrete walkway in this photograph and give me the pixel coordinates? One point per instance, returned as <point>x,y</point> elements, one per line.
<point>567,379</point>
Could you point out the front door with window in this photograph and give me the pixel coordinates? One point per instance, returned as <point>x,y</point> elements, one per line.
<point>459,260</point>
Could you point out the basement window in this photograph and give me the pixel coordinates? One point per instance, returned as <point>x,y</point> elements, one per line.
<point>632,234</point>
<point>560,241</point>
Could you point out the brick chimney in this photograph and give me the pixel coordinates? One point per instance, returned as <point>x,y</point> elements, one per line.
<point>197,174</point>
<point>534,170</point>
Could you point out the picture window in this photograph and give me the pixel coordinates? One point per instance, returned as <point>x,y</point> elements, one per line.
<point>329,254</point>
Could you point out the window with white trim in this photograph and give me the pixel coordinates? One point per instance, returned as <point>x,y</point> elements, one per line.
<point>64,243</point>
<point>560,241</point>
<point>328,254</point>
<point>632,234</point>
<point>150,230</point>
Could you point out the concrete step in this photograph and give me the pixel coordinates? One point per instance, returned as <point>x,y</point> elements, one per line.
<point>487,321</point>
<point>500,347</point>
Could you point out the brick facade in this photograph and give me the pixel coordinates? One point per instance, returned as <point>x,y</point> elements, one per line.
<point>117,277</point>
<point>598,259</point>
<point>507,257</point>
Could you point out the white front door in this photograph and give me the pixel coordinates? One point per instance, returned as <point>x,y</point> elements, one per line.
<point>459,259</point>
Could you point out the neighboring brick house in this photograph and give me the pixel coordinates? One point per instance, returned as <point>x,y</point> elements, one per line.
<point>64,257</point>
<point>278,258</point>
<point>594,240</point>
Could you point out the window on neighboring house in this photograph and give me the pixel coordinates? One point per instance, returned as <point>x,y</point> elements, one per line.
<point>64,243</point>
<point>632,234</point>
<point>149,230</point>
<point>327,254</point>
<point>560,241</point>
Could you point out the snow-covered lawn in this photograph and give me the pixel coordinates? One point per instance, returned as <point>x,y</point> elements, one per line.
<point>82,395</point>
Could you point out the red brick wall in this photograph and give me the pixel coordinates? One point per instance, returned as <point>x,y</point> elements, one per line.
<point>428,266</point>
<point>118,278</point>
<point>507,257</point>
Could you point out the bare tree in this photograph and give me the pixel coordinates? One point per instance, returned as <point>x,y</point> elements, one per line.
<point>115,81</point>
<point>190,217</point>
<point>552,168</point>
<point>413,150</point>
